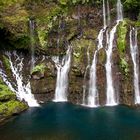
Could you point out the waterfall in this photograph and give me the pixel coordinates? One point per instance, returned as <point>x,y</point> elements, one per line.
<point>108,13</point>
<point>104,14</point>
<point>111,99</point>
<point>119,10</point>
<point>134,55</point>
<point>85,75</point>
<point>93,100</point>
<point>93,97</point>
<point>110,93</point>
<point>22,90</point>
<point>106,17</point>
<point>63,68</point>
<point>32,38</point>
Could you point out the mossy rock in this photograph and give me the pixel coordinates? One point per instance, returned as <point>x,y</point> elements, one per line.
<point>80,48</point>
<point>12,107</point>
<point>8,3</point>
<point>38,71</point>
<point>16,22</point>
<point>46,19</point>
<point>42,35</point>
<point>121,41</point>
<point>138,24</point>
<point>6,62</point>
<point>14,19</point>
<point>5,93</point>
<point>124,66</point>
<point>39,68</point>
<point>102,56</point>
<point>9,105</point>
<point>90,33</point>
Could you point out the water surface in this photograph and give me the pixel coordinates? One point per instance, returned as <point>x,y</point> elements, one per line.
<point>64,121</point>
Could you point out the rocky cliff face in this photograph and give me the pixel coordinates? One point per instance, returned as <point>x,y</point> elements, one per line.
<point>82,28</point>
<point>58,25</point>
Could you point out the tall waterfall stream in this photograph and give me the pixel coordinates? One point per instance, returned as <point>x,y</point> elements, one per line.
<point>22,89</point>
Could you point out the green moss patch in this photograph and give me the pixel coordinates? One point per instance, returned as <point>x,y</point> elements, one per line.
<point>9,105</point>
<point>7,3</point>
<point>6,62</point>
<point>124,66</point>
<point>39,68</point>
<point>121,44</point>
<point>6,93</point>
<point>121,41</point>
<point>12,107</point>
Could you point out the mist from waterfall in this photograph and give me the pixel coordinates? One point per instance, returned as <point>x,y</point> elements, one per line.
<point>134,54</point>
<point>63,68</point>
<point>22,89</point>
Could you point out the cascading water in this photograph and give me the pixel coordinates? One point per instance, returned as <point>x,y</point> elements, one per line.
<point>119,10</point>
<point>104,14</point>
<point>93,97</point>
<point>63,68</point>
<point>108,13</point>
<point>32,38</point>
<point>110,93</point>
<point>111,99</point>
<point>22,90</point>
<point>134,55</point>
<point>85,75</point>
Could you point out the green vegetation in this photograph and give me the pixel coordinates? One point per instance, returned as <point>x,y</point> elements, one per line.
<point>6,62</point>
<point>39,68</point>
<point>12,107</point>
<point>15,15</point>
<point>42,37</point>
<point>46,19</point>
<point>6,93</point>
<point>132,7</point>
<point>66,2</point>
<point>132,4</point>
<point>124,66</point>
<point>13,20</point>
<point>9,105</point>
<point>121,41</point>
<point>102,56</point>
<point>7,3</point>
<point>79,47</point>
<point>138,24</point>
